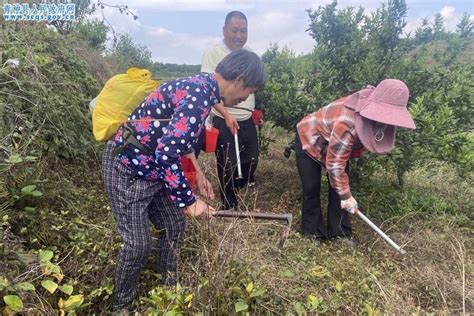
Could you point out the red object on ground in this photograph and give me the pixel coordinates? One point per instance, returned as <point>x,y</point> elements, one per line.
<point>210,142</point>
<point>257,117</point>
<point>189,170</point>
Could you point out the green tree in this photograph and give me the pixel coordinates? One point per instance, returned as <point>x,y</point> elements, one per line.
<point>423,33</point>
<point>383,39</point>
<point>284,99</point>
<point>83,9</point>
<point>94,33</point>
<point>438,27</point>
<point>339,37</point>
<point>353,50</point>
<point>465,26</point>
<point>131,54</point>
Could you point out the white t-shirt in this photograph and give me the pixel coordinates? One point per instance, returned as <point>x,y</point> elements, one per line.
<point>209,62</point>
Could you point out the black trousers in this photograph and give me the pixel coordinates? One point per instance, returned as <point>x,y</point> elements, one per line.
<point>312,221</point>
<point>227,160</point>
<point>199,145</point>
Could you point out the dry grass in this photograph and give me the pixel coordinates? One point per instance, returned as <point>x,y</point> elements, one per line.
<point>220,257</point>
<point>435,276</point>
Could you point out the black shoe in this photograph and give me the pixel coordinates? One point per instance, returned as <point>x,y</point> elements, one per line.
<point>348,241</point>
<point>317,239</point>
<point>122,312</point>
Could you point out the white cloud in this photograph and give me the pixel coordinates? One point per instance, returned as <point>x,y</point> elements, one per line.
<point>411,26</point>
<point>282,27</point>
<point>452,17</point>
<point>170,47</point>
<point>160,32</point>
<point>273,21</point>
<point>447,12</point>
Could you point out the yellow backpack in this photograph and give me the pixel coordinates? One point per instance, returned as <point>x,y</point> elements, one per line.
<point>119,97</point>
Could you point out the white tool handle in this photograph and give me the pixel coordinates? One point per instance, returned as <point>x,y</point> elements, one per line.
<point>377,230</point>
<point>237,154</point>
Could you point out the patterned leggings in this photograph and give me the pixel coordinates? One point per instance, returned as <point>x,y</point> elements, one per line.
<point>135,202</point>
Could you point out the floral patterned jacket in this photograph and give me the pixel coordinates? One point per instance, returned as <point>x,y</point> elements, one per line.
<point>168,123</point>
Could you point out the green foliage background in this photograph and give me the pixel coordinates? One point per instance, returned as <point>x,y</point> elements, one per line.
<point>354,50</point>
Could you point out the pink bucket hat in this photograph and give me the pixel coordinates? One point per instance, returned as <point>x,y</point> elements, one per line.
<point>385,104</point>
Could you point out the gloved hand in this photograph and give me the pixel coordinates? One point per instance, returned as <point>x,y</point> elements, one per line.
<point>349,205</point>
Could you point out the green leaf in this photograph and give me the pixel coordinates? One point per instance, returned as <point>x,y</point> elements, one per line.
<point>318,272</point>
<point>14,302</point>
<point>288,274</point>
<point>36,193</point>
<point>370,311</point>
<point>53,269</point>
<point>25,286</point>
<point>338,286</point>
<point>236,290</point>
<point>188,298</point>
<point>299,308</point>
<point>28,189</point>
<point>73,302</point>
<point>14,158</point>
<point>49,285</point>
<point>313,301</point>
<point>240,306</point>
<point>45,256</point>
<point>257,292</point>
<point>66,288</point>
<point>29,209</point>
<point>31,190</point>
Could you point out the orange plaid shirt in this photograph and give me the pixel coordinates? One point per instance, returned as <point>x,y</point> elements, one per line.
<point>328,136</point>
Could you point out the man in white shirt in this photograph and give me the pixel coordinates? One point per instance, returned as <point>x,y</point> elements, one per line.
<point>235,37</point>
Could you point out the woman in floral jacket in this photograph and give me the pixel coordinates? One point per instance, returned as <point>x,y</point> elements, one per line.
<point>142,170</point>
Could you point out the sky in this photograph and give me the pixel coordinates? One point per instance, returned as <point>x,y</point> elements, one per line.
<point>179,31</point>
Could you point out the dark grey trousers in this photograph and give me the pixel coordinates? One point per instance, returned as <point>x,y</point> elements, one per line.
<point>135,203</point>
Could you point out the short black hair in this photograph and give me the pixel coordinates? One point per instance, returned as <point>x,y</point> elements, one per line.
<point>245,65</point>
<point>234,14</point>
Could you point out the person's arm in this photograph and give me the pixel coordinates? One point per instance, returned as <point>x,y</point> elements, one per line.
<point>338,154</point>
<point>176,140</point>
<point>204,186</point>
<point>230,121</point>
<point>209,62</point>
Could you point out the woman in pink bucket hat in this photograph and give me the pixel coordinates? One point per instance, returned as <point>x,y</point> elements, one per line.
<point>329,137</point>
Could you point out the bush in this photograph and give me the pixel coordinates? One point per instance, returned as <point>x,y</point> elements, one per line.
<point>43,96</point>
<point>353,50</point>
<point>284,100</point>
